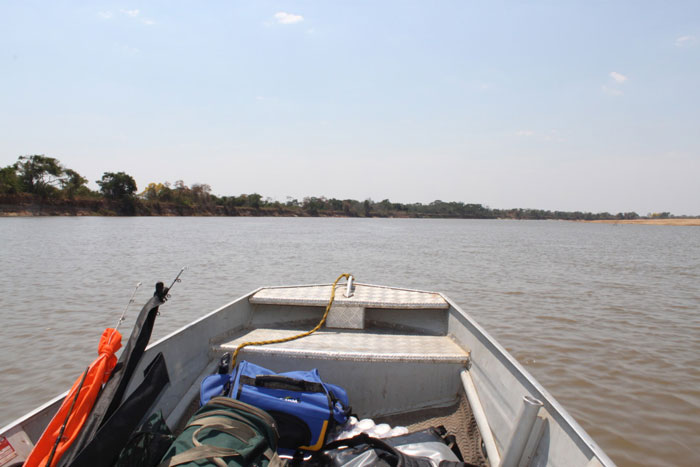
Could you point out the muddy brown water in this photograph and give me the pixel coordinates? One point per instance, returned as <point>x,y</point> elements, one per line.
<point>606,317</point>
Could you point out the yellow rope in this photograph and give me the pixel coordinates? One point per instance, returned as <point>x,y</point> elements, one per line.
<point>298,336</point>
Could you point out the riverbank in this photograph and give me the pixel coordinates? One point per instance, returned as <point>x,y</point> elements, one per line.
<point>112,210</point>
<point>253,205</point>
<point>101,209</point>
<point>684,221</point>
<point>30,206</point>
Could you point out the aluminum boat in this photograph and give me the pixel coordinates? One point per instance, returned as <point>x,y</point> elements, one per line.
<point>406,357</point>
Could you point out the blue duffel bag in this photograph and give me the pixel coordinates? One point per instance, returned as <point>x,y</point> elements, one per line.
<point>304,407</point>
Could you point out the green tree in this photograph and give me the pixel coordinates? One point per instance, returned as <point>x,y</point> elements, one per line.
<point>9,181</point>
<point>234,201</point>
<point>151,191</point>
<point>117,186</point>
<point>313,205</point>
<point>73,183</point>
<point>254,200</point>
<point>39,174</point>
<point>201,192</point>
<point>384,207</point>
<point>166,193</point>
<point>335,204</point>
<point>350,208</point>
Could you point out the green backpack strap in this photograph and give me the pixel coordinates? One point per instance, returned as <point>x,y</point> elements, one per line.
<point>242,432</point>
<point>213,453</point>
<point>214,420</point>
<point>225,432</point>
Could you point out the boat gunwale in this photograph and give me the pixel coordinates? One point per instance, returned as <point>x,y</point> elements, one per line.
<point>18,422</point>
<point>548,398</point>
<point>202,318</point>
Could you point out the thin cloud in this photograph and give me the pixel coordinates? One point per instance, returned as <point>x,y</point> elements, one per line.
<point>553,136</point>
<point>136,15</point>
<point>685,41</point>
<point>128,50</point>
<point>618,77</point>
<point>524,133</point>
<point>105,14</point>
<point>283,17</point>
<point>611,91</point>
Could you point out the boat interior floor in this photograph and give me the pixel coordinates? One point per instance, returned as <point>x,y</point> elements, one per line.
<point>457,419</point>
<point>425,366</point>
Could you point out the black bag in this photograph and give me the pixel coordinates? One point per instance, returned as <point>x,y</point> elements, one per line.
<point>225,432</point>
<point>426,448</point>
<point>105,446</point>
<point>147,445</point>
<point>433,443</point>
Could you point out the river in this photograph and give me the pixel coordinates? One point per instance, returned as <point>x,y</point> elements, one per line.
<point>606,317</point>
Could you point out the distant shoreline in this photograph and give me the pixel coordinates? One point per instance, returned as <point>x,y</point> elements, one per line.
<point>186,202</point>
<point>682,221</point>
<point>47,211</point>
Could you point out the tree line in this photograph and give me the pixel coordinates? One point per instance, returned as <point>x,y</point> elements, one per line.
<point>43,179</point>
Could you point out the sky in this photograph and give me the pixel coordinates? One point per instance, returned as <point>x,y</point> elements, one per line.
<point>561,105</point>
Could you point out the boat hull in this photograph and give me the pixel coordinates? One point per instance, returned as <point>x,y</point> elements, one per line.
<point>396,384</point>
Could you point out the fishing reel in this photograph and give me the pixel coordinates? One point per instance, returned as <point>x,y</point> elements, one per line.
<point>162,292</point>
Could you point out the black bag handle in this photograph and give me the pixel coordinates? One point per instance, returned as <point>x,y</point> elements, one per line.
<point>285,382</point>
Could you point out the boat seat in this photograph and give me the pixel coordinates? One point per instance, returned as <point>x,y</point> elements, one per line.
<point>354,346</point>
<point>348,312</point>
<point>370,364</point>
<point>368,296</point>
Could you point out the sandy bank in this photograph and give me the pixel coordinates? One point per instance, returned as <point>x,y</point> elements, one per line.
<point>695,222</point>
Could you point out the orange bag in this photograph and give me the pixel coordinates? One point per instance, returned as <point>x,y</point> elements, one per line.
<point>80,399</point>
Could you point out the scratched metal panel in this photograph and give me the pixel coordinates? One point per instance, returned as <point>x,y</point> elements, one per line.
<point>364,295</point>
<point>354,345</point>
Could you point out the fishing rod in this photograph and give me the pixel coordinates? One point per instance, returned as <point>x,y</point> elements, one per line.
<point>162,292</point>
<point>131,300</point>
<point>177,279</point>
<point>123,316</point>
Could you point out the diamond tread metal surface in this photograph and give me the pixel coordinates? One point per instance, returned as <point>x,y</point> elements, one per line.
<point>368,296</point>
<point>355,345</point>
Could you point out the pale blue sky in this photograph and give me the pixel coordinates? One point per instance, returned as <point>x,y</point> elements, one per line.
<point>590,105</point>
